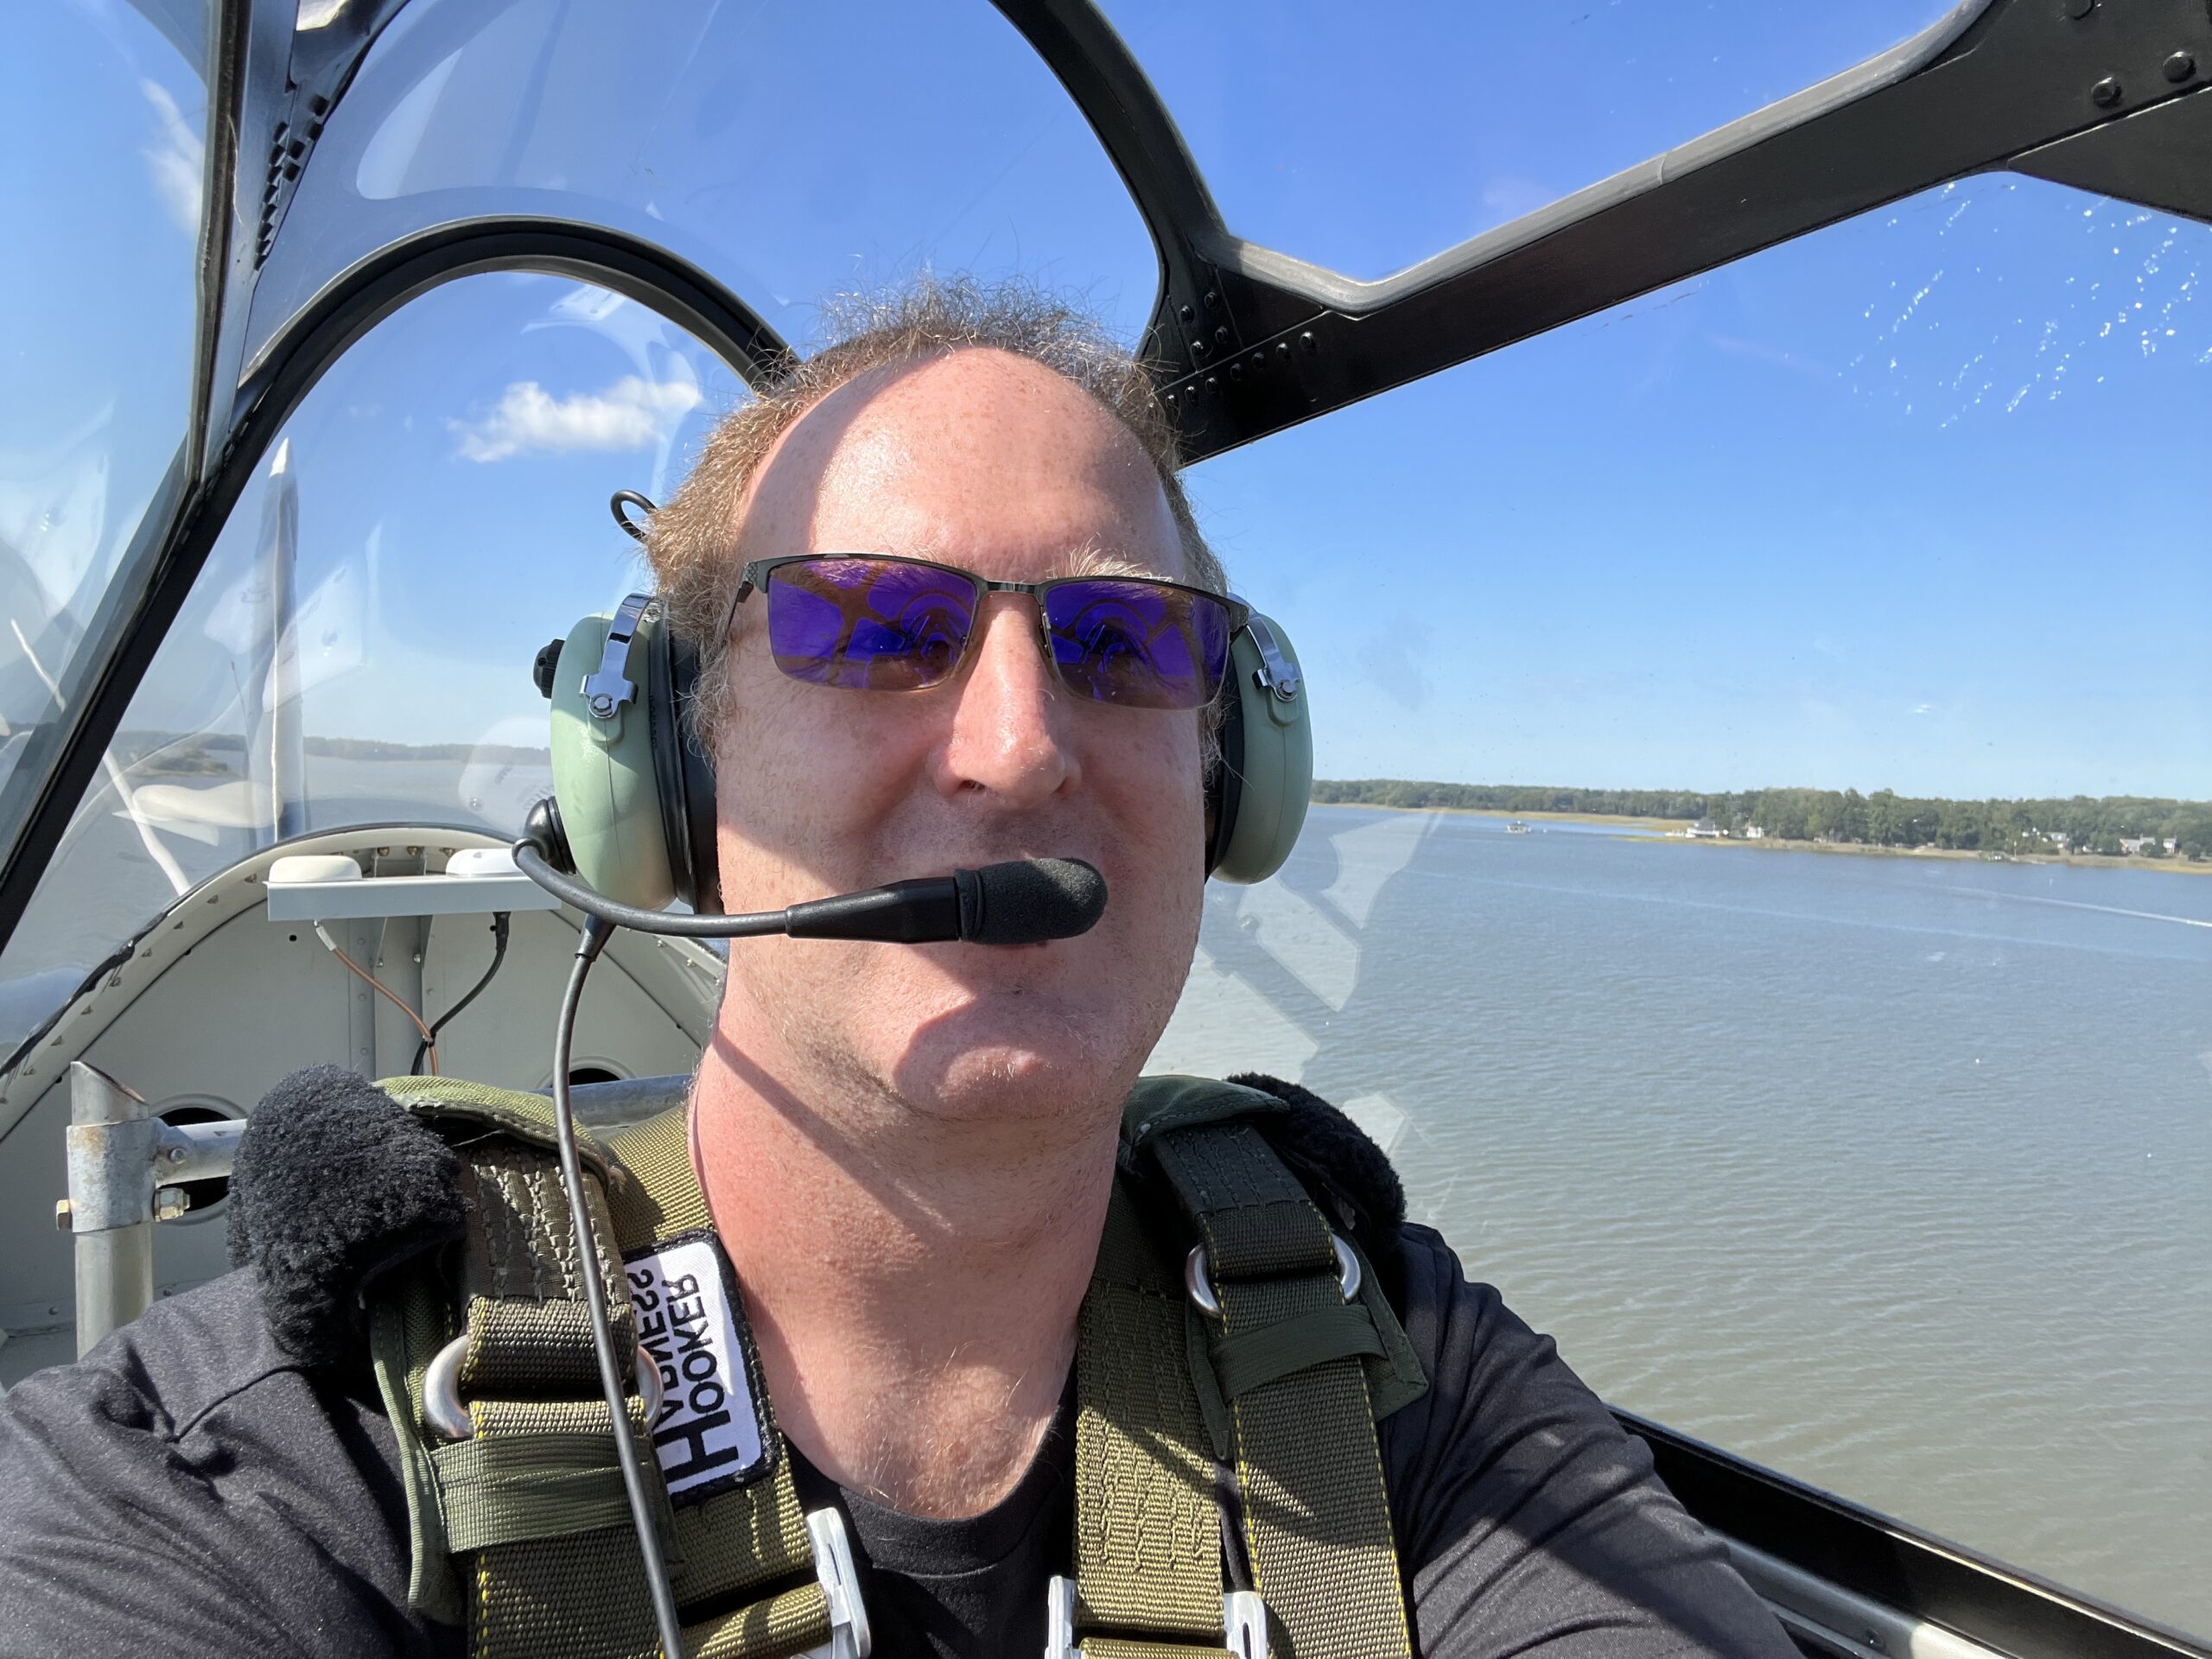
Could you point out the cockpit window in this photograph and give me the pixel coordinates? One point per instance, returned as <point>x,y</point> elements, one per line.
<point>358,648</point>
<point>101,119</point>
<point>1765,901</point>
<point>1368,139</point>
<point>794,149</point>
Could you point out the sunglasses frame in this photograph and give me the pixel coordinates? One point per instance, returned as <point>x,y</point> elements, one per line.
<point>754,578</point>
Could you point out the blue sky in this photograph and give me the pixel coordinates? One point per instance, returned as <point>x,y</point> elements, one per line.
<point>1915,501</point>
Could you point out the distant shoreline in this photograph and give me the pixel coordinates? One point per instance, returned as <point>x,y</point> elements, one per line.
<point>2170,865</point>
<point>1598,820</point>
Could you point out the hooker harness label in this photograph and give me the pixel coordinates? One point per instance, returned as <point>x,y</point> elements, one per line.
<point>712,1434</point>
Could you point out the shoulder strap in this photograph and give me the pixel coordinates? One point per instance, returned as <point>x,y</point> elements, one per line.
<point>521,1528</point>
<point>1272,1379</point>
<point>1148,1540</point>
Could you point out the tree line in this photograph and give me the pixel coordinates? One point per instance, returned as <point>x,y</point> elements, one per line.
<point>1884,818</point>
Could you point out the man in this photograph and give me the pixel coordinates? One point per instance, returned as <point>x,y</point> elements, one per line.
<point>907,1152</point>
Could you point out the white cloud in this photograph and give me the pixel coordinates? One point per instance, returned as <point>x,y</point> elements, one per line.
<point>1924,709</point>
<point>630,414</point>
<point>172,159</point>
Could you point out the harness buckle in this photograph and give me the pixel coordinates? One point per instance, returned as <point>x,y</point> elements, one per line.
<point>1059,1618</point>
<point>1198,1278</point>
<point>444,1410</point>
<point>849,1637</point>
<point>1243,1619</point>
<point>1245,1623</point>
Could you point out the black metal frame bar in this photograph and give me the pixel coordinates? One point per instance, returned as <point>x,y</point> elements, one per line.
<point>1247,341</point>
<point>1887,1561</point>
<point>228,23</point>
<point>294,362</point>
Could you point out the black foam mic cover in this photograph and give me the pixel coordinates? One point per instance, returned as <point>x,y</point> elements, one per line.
<point>1029,901</point>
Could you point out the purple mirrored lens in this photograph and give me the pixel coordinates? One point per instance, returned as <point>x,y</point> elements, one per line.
<point>868,624</point>
<point>1143,645</point>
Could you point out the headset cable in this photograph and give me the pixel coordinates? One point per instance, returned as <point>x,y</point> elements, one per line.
<point>629,1455</point>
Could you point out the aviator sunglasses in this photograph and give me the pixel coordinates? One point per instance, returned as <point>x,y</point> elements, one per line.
<point>877,622</point>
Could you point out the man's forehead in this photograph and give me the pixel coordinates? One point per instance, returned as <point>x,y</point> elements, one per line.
<point>974,452</point>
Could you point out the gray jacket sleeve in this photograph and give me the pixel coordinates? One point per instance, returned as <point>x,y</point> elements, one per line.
<point>1528,1522</point>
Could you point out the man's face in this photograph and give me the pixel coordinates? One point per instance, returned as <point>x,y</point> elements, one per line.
<point>992,463</point>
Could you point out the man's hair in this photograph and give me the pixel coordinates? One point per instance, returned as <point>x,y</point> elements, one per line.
<point>692,542</point>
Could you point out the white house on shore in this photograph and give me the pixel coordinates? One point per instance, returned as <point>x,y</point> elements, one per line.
<point>1703,830</point>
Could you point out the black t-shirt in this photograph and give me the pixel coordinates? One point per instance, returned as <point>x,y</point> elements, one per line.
<point>186,1489</point>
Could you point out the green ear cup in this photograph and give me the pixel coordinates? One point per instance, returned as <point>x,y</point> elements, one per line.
<point>603,774</point>
<point>1267,757</point>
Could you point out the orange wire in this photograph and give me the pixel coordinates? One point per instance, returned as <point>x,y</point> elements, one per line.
<point>430,1042</point>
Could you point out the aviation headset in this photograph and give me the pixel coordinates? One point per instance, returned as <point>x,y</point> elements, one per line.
<point>633,793</point>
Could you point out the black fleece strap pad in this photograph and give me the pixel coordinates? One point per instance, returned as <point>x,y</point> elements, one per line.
<point>334,1184</point>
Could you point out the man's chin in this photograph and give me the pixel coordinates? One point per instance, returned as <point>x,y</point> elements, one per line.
<point>988,1060</point>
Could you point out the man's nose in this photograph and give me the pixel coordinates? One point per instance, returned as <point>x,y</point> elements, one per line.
<point>1008,726</point>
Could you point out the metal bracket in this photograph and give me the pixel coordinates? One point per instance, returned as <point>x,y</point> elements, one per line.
<point>116,1167</point>
<point>609,686</point>
<point>1275,673</point>
<point>110,1166</point>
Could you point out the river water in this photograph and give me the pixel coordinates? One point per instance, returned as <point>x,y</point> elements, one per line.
<point>1894,1173</point>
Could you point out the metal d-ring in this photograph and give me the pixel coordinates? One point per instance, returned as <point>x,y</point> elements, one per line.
<point>442,1408</point>
<point>1199,1282</point>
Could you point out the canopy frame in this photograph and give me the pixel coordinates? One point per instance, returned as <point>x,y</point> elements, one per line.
<point>1245,341</point>
<point>1249,341</point>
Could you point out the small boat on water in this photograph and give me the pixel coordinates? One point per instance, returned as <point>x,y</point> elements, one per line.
<point>1516,827</point>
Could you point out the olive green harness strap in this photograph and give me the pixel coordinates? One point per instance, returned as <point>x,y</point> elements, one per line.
<point>735,1544</point>
<point>1148,1537</point>
<point>1278,1385</point>
<point>522,1529</point>
<point>1289,1349</point>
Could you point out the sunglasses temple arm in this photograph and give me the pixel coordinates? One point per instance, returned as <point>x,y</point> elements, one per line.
<point>730,620</point>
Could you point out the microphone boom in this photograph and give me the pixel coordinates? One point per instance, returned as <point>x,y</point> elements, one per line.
<point>1022,901</point>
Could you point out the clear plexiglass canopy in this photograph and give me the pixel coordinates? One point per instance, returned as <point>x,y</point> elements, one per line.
<point>788,150</point>
<point>1367,140</point>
